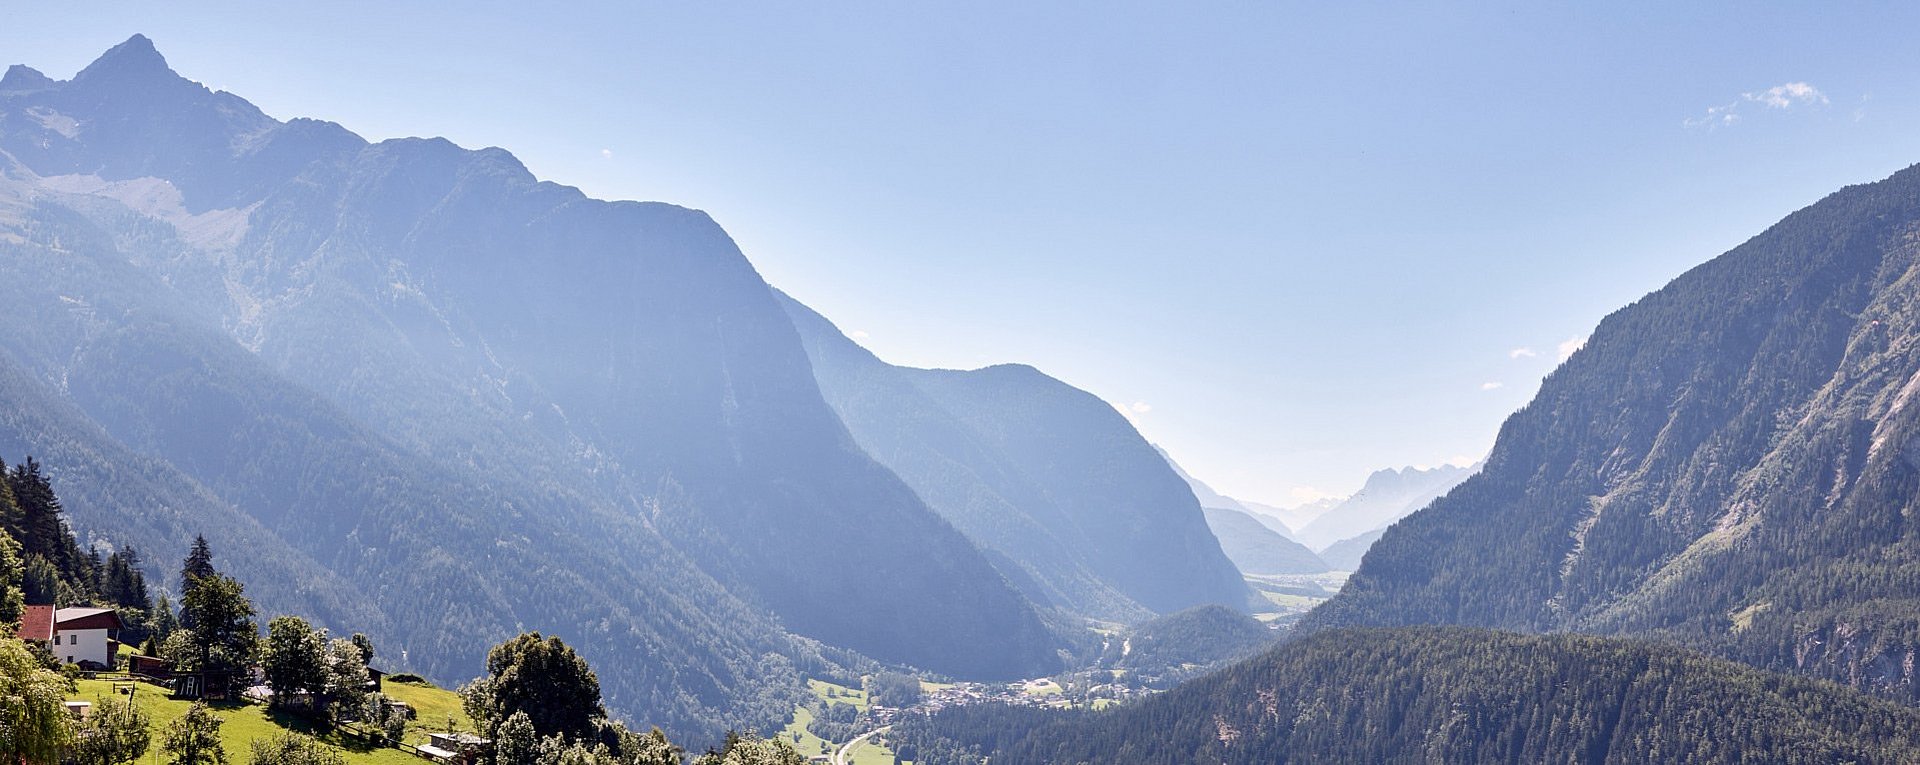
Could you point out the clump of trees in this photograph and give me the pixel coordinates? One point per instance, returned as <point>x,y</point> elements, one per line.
<point>293,749</point>
<point>540,703</point>
<point>114,733</point>
<point>304,669</point>
<point>194,738</point>
<point>893,689</point>
<point>746,750</point>
<point>217,637</point>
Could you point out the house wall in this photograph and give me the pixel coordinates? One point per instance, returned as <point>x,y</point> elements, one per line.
<point>74,646</point>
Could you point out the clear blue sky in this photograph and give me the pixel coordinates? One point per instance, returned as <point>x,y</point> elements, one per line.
<point>1299,241</point>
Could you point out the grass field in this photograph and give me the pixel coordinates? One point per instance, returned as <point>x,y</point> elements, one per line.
<point>796,734</point>
<point>843,694</point>
<point>242,723</point>
<point>796,731</point>
<point>433,707</point>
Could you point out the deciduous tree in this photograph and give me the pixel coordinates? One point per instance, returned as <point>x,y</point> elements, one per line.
<point>294,659</point>
<point>34,726</point>
<point>194,738</point>
<point>293,749</point>
<point>116,732</point>
<point>541,677</point>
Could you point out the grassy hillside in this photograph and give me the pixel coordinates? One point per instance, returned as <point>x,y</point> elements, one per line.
<point>243,722</point>
<point>804,740</point>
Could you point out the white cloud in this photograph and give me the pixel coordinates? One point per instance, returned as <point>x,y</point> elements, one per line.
<point>1492,385</point>
<point>1788,95</point>
<point>1521,353</point>
<point>1782,96</point>
<point>1141,407</point>
<point>1569,345</point>
<point>1716,117</point>
<point>858,334</point>
<point>606,154</point>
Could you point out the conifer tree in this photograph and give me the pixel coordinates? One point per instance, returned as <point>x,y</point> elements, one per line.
<point>164,620</point>
<point>43,530</point>
<point>41,581</point>
<point>199,562</point>
<point>197,566</point>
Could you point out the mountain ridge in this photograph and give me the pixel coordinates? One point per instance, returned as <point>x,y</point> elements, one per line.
<point>1025,464</point>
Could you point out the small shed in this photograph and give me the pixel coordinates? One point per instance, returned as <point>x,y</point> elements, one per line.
<point>150,666</point>
<point>457,747</point>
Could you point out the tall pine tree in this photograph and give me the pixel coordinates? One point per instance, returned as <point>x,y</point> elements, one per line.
<point>43,531</point>
<point>199,562</point>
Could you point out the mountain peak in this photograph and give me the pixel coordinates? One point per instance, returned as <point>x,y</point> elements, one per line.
<point>21,78</point>
<point>134,58</point>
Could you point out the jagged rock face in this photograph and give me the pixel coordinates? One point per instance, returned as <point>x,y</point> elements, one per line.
<point>427,370</point>
<point>1727,463</point>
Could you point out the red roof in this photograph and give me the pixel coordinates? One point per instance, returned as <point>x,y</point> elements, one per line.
<point>37,624</point>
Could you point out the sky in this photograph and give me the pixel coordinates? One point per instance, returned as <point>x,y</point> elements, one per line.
<point>1293,242</point>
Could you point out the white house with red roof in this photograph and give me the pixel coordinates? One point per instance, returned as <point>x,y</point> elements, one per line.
<point>86,634</point>
<point>74,635</point>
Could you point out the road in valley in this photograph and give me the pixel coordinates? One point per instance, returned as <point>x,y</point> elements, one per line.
<point>844,755</point>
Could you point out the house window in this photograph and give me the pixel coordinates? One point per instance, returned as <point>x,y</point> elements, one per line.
<point>56,639</point>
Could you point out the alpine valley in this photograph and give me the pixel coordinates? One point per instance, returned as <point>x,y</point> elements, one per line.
<point>502,430</point>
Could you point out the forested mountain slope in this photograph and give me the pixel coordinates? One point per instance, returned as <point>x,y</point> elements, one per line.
<point>1428,694</point>
<point>1730,462</point>
<point>477,400</point>
<point>1044,474</point>
<point>1185,643</point>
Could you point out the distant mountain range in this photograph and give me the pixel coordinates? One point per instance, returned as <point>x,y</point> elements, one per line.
<point>1256,544</point>
<point>1050,480</point>
<point>1293,516</point>
<point>1387,496</point>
